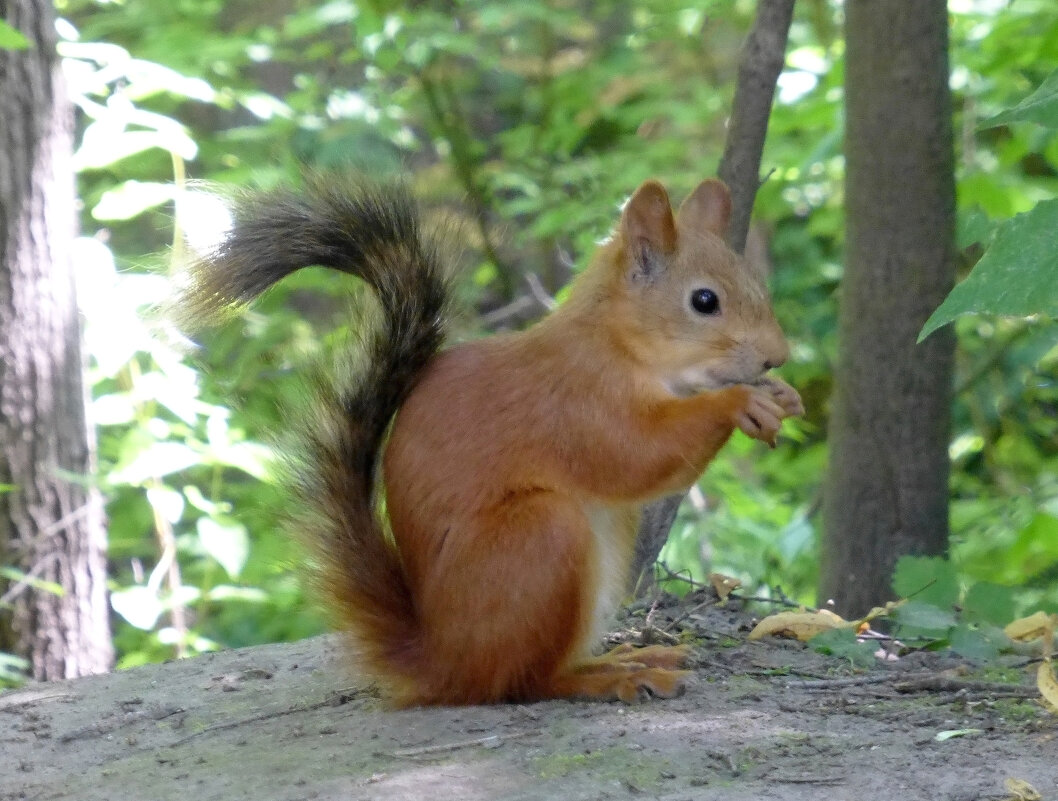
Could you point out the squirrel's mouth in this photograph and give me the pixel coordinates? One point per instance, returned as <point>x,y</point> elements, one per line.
<point>695,380</point>
<point>698,378</point>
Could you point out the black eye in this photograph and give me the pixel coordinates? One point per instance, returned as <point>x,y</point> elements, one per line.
<point>705,301</point>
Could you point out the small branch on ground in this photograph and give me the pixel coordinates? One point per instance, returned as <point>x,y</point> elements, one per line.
<point>489,741</point>
<point>919,683</point>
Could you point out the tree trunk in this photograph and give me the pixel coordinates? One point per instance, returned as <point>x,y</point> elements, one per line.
<point>51,523</point>
<point>886,490</point>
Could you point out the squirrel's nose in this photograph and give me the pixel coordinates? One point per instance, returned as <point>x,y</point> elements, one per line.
<point>777,354</point>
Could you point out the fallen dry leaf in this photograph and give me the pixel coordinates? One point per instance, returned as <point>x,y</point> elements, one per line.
<point>883,611</point>
<point>802,625</point>
<point>1021,790</point>
<point>724,585</point>
<point>1040,626</point>
<point>1031,627</point>
<point>1048,685</point>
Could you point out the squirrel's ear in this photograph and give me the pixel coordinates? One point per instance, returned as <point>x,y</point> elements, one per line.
<point>648,228</point>
<point>708,207</point>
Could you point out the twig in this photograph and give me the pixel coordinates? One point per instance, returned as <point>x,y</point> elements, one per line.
<point>833,684</point>
<point>49,530</point>
<point>943,684</point>
<point>694,609</point>
<point>539,293</point>
<point>28,578</point>
<point>918,682</point>
<point>334,699</point>
<point>669,573</point>
<point>526,306</point>
<point>783,601</point>
<point>488,741</point>
<point>516,308</point>
<point>26,697</point>
<point>64,521</point>
<point>828,780</point>
<point>106,727</point>
<point>986,365</point>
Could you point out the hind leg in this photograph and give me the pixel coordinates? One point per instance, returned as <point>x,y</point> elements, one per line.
<point>659,656</point>
<point>506,601</point>
<point>629,682</point>
<point>508,604</point>
<point>627,674</point>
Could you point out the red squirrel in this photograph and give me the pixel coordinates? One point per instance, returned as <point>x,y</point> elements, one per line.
<point>516,466</point>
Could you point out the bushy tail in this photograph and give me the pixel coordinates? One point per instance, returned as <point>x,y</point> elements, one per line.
<point>373,232</point>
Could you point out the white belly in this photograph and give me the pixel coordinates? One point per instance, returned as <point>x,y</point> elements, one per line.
<point>614,530</point>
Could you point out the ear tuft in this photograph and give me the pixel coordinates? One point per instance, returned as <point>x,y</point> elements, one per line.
<point>707,208</point>
<point>648,228</point>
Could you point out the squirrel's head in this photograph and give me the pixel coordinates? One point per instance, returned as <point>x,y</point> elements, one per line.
<point>694,310</point>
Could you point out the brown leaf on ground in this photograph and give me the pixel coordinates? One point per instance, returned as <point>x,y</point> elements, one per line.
<point>724,585</point>
<point>802,625</point>
<point>1030,628</point>
<point>1048,685</point>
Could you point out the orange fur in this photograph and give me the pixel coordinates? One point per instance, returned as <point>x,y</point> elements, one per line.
<point>517,467</point>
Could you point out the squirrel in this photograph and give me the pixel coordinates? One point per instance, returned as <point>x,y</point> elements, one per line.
<point>514,468</point>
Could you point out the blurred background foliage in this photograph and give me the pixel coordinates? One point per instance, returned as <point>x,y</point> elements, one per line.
<point>523,126</point>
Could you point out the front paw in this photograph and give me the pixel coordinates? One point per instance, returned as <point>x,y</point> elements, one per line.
<point>760,415</point>
<point>783,394</point>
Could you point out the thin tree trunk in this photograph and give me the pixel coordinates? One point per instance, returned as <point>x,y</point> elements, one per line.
<point>51,524</point>
<point>886,490</point>
<point>759,67</point>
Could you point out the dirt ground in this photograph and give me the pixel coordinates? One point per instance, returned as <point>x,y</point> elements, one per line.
<point>762,720</point>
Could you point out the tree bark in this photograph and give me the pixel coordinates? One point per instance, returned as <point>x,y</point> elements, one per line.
<point>886,491</point>
<point>759,68</point>
<point>760,64</point>
<point>51,522</point>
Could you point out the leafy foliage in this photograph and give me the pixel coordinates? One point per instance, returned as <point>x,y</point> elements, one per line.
<point>1041,106</point>
<point>11,39</point>
<point>944,611</point>
<point>1018,274</point>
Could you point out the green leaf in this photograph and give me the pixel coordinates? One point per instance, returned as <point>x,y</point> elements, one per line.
<point>927,579</point>
<point>227,592</point>
<point>924,617</point>
<point>1036,548</point>
<point>843,643</point>
<point>154,461</point>
<point>949,734</point>
<point>1017,276</point>
<point>1041,106</point>
<point>139,605</point>
<point>12,39</point>
<point>104,144</point>
<point>131,198</point>
<point>13,669</point>
<point>226,542</point>
<point>989,603</point>
<point>118,408</point>
<point>973,226</point>
<point>982,644</point>
<point>166,502</point>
